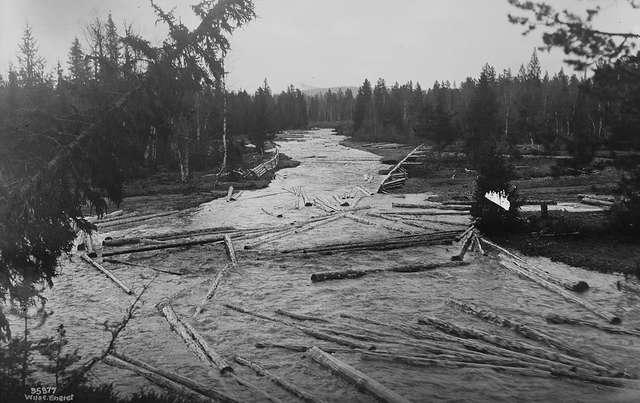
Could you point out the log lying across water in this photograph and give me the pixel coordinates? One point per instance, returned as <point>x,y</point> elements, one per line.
<point>107,273</point>
<point>194,341</point>
<point>288,386</point>
<point>298,316</point>
<point>167,245</point>
<point>136,219</point>
<point>564,320</point>
<point>351,274</point>
<point>221,274</point>
<point>435,238</point>
<point>179,389</point>
<point>437,206</point>
<point>514,345</point>
<point>142,368</point>
<point>363,220</point>
<point>167,235</point>
<point>356,377</point>
<point>306,227</point>
<point>424,213</point>
<point>527,332</point>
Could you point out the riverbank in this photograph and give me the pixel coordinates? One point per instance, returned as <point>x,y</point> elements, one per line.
<point>592,244</point>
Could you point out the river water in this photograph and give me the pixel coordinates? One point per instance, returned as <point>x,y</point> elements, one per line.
<point>266,280</point>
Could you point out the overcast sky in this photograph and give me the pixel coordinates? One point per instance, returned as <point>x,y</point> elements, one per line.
<point>323,43</point>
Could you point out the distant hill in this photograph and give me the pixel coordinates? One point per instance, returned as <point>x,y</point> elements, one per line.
<point>313,91</point>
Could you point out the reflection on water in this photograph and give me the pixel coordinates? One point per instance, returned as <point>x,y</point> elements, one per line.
<point>83,299</point>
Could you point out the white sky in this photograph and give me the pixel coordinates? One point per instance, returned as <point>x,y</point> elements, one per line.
<point>324,42</point>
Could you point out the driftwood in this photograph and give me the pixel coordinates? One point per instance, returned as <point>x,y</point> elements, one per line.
<point>611,318</point>
<point>356,377</point>
<point>288,386</point>
<point>221,274</point>
<point>169,235</point>
<point>303,228</point>
<point>422,362</point>
<point>167,245</point>
<point>435,238</point>
<point>135,365</point>
<point>178,389</point>
<point>351,274</point>
<point>525,331</point>
<point>514,345</point>
<point>305,329</point>
<point>107,273</point>
<point>436,206</point>
<point>560,320</point>
<point>116,261</point>
<point>299,316</point>
<point>194,341</point>
<point>363,220</point>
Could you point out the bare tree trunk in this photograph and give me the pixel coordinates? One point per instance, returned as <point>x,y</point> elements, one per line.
<point>225,144</point>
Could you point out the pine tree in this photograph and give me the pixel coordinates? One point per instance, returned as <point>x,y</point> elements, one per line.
<point>30,64</point>
<point>78,65</point>
<point>363,105</point>
<point>483,117</point>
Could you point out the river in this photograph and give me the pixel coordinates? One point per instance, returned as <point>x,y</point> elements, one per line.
<point>83,299</point>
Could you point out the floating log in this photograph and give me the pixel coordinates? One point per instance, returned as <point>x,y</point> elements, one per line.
<point>457,203</point>
<point>526,331</point>
<point>430,206</point>
<point>514,345</point>
<point>356,377</point>
<point>137,219</point>
<point>306,227</point>
<point>288,386</point>
<point>212,289</point>
<point>385,181</point>
<point>107,273</point>
<point>194,341</point>
<point>116,261</point>
<point>422,362</point>
<point>575,286</point>
<point>298,348</point>
<point>230,194</point>
<point>377,224</point>
<point>611,318</point>
<point>187,382</point>
<point>178,389</point>
<point>435,238</point>
<point>395,220</point>
<point>351,274</point>
<point>421,213</point>
<point>299,316</point>
<point>559,320</point>
<point>305,329</point>
<point>167,245</point>
<point>170,235</point>
<point>596,202</point>
<point>466,243</point>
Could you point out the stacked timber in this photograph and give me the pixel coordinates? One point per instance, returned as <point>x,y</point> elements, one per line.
<point>260,170</point>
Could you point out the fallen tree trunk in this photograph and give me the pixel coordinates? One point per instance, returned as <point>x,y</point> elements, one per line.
<point>526,331</point>
<point>422,362</point>
<point>436,206</point>
<point>517,346</point>
<point>289,387</point>
<point>389,243</point>
<point>559,320</point>
<point>116,261</point>
<point>168,235</point>
<point>363,220</point>
<point>596,202</point>
<point>194,341</point>
<point>396,220</point>
<point>167,245</point>
<point>421,213</point>
<point>306,227</point>
<point>107,273</point>
<point>300,316</point>
<point>356,377</point>
<point>305,329</point>
<point>136,365</point>
<point>212,289</point>
<point>466,243</point>
<point>137,219</point>
<point>178,389</point>
<point>351,274</point>
<point>611,318</point>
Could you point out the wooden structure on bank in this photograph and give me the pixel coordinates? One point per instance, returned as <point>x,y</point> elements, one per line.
<point>260,170</point>
<point>398,175</point>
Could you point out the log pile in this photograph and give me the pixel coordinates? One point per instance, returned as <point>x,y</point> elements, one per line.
<point>397,176</point>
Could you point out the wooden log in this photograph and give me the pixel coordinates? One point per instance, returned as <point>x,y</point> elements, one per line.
<point>187,382</point>
<point>457,203</point>
<point>352,274</point>
<point>137,219</point>
<point>423,213</point>
<point>559,319</point>
<point>178,389</point>
<point>575,286</point>
<point>426,220</point>
<point>194,341</point>
<point>212,289</point>
<point>615,382</point>
<point>466,243</point>
<point>396,220</point>
<point>229,194</point>
<point>288,386</point>
<point>377,224</point>
<point>356,377</point>
<point>107,273</point>
<point>306,227</point>
<point>430,206</point>
<point>299,316</point>
<point>168,245</point>
<point>231,251</point>
<point>435,238</point>
<point>169,235</point>
<point>514,345</point>
<point>116,261</point>
<point>305,329</point>
<point>526,331</point>
<point>596,202</point>
<point>611,318</point>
